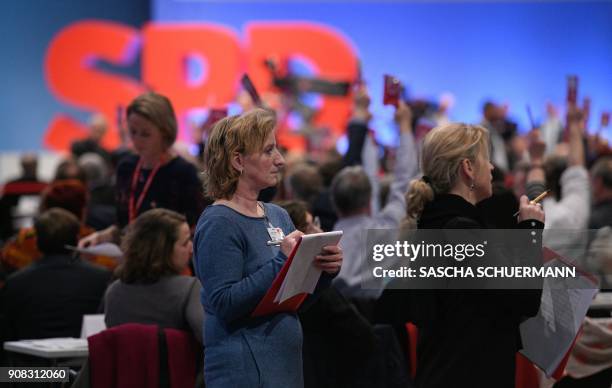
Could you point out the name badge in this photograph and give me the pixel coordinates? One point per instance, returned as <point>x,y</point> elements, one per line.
<point>276,234</point>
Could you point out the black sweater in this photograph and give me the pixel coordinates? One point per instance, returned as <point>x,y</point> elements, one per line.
<point>176,187</point>
<point>467,338</point>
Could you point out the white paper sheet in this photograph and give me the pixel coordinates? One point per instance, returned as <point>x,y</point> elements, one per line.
<point>104,249</point>
<point>302,275</point>
<point>92,324</point>
<point>548,336</point>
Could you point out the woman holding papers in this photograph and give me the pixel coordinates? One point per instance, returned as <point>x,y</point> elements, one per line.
<point>467,338</point>
<point>237,266</point>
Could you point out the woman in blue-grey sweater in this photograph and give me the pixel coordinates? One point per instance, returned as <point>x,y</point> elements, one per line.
<point>236,265</point>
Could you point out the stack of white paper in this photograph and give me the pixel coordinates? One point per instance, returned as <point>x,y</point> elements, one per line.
<point>302,275</point>
<point>60,343</point>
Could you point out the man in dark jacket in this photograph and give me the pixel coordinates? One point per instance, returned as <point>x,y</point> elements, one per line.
<point>49,298</point>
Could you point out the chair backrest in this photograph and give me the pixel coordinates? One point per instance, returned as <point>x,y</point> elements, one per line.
<point>23,188</point>
<point>136,355</point>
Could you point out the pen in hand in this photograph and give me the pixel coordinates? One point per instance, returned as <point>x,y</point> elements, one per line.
<point>535,200</point>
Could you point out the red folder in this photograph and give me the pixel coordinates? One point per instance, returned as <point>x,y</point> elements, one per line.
<point>267,305</point>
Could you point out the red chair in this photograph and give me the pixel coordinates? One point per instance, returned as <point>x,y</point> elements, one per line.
<point>413,335</point>
<point>147,356</point>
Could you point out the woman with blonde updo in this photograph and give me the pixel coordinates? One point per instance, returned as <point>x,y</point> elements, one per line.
<point>466,337</point>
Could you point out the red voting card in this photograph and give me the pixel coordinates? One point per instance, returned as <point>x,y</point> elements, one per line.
<point>392,90</point>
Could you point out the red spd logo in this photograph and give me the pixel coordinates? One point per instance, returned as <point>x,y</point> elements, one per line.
<point>72,75</point>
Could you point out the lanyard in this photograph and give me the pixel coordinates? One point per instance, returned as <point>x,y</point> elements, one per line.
<point>276,234</point>
<point>266,219</point>
<point>134,209</point>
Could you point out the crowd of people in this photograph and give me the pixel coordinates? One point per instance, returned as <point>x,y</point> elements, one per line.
<point>194,239</point>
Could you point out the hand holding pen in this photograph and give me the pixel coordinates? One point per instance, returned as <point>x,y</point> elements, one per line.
<point>287,243</point>
<point>531,210</point>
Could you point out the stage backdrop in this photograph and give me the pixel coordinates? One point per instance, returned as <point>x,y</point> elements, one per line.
<point>65,59</point>
<point>28,105</point>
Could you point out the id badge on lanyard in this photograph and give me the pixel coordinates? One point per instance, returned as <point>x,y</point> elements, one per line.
<point>276,234</point>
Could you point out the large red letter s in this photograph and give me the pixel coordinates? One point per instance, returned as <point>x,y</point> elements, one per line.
<point>72,77</point>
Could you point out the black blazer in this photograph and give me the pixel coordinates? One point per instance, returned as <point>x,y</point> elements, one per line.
<point>48,298</point>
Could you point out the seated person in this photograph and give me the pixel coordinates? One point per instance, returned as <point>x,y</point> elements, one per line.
<point>101,209</point>
<point>98,127</point>
<point>301,217</point>
<point>71,195</point>
<point>150,289</point>
<point>27,184</point>
<point>50,297</point>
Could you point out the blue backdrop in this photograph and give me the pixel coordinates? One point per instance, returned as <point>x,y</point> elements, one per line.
<point>515,52</point>
<point>26,29</point>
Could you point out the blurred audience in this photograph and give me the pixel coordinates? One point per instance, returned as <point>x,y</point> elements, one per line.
<point>322,206</point>
<point>601,183</point>
<point>492,119</point>
<point>567,207</point>
<point>551,129</point>
<point>352,196</point>
<point>69,169</point>
<point>22,250</point>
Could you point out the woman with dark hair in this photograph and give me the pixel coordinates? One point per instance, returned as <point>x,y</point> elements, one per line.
<point>155,177</point>
<point>236,265</point>
<point>150,289</point>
